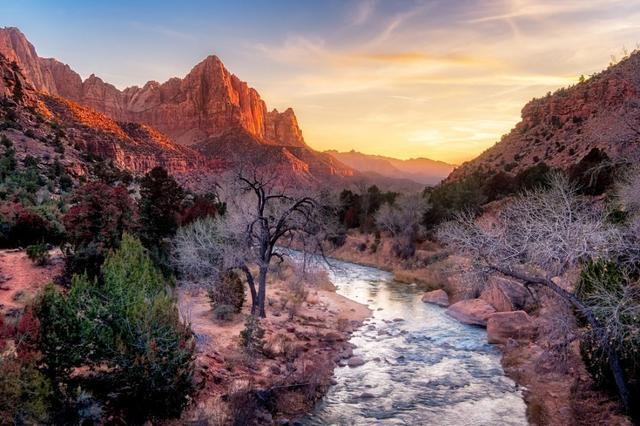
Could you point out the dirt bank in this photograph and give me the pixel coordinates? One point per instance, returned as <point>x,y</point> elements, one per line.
<point>20,279</point>
<point>296,368</point>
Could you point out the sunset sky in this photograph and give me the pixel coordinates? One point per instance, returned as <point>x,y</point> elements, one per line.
<point>437,79</point>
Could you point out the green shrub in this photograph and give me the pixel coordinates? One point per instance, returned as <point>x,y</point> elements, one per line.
<point>160,198</point>
<point>38,254</point>
<point>594,173</point>
<point>252,337</point>
<point>229,291</point>
<point>129,326</point>
<point>450,198</point>
<point>614,297</point>
<point>224,312</point>
<point>25,393</point>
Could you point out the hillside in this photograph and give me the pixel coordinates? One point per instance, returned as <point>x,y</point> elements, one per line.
<point>561,128</point>
<point>421,170</point>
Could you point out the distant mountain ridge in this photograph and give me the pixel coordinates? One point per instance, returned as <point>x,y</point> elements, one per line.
<point>421,170</point>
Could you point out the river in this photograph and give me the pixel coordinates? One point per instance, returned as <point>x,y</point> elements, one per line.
<point>422,367</point>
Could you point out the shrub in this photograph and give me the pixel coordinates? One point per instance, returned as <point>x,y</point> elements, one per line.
<point>129,326</point>
<point>594,173</point>
<point>229,291</point>
<point>95,223</point>
<point>450,198</point>
<point>202,206</point>
<point>66,183</point>
<point>160,198</point>
<point>224,312</point>
<point>252,337</point>
<point>27,227</point>
<point>536,176</point>
<point>610,291</point>
<point>25,393</point>
<point>296,294</point>
<point>38,254</point>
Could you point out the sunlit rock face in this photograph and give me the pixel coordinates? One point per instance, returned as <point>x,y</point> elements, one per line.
<point>205,103</point>
<point>209,108</point>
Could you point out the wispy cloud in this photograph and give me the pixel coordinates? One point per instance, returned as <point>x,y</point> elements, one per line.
<point>401,80</point>
<point>362,12</point>
<point>162,30</point>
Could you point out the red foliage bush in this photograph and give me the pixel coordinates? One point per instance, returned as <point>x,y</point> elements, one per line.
<point>202,207</point>
<point>95,223</point>
<point>24,227</point>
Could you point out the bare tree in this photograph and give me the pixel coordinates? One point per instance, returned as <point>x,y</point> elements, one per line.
<point>537,237</point>
<point>264,216</point>
<point>402,220</point>
<point>402,217</point>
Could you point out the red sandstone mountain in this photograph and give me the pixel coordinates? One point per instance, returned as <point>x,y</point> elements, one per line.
<point>209,109</point>
<point>421,170</point>
<point>560,129</point>
<point>52,128</point>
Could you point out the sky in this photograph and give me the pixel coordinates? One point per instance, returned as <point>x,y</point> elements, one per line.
<point>402,78</point>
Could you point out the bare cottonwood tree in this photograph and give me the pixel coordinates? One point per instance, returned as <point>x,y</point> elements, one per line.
<point>538,236</point>
<point>403,216</point>
<point>402,221</point>
<point>265,214</point>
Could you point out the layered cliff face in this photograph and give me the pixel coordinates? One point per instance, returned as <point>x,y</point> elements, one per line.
<point>209,109</point>
<point>205,103</point>
<point>52,128</point>
<point>560,129</point>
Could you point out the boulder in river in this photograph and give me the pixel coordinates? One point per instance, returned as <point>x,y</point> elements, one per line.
<point>471,311</point>
<point>516,325</point>
<point>437,297</point>
<point>505,295</point>
<point>356,361</point>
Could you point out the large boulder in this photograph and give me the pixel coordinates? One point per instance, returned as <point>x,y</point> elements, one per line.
<point>356,361</point>
<point>437,297</point>
<point>471,311</point>
<point>516,325</point>
<point>505,295</point>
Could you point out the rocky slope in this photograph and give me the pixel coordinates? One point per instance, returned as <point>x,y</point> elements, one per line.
<point>561,128</point>
<point>421,170</point>
<point>208,107</point>
<point>52,128</point>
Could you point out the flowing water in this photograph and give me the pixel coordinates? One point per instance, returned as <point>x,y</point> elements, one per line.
<point>422,367</point>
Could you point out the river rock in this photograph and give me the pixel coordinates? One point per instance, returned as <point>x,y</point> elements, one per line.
<point>356,361</point>
<point>471,311</point>
<point>367,395</point>
<point>437,297</point>
<point>505,295</point>
<point>516,325</point>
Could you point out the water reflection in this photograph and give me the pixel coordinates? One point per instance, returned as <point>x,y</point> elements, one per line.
<point>422,366</point>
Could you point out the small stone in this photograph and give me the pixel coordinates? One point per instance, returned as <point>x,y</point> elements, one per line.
<point>437,297</point>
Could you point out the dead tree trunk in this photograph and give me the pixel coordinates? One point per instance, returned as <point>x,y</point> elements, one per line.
<point>262,290</point>
<point>252,289</point>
